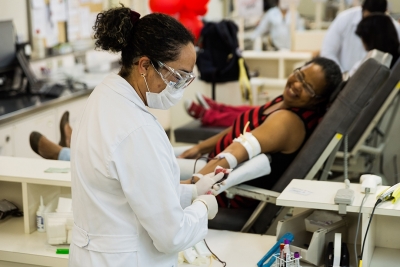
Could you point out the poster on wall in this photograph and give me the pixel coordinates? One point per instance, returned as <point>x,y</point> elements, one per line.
<point>249,8</point>
<point>81,18</point>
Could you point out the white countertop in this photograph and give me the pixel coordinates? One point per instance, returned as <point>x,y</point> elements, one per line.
<point>321,194</point>
<point>29,170</point>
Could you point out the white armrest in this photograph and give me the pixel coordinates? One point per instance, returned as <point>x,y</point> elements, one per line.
<point>254,193</point>
<point>249,170</point>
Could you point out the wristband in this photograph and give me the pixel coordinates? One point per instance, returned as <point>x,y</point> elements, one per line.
<point>232,161</point>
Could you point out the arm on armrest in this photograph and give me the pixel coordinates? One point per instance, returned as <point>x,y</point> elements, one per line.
<point>251,169</point>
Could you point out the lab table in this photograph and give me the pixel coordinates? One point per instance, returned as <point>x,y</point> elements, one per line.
<point>28,250</point>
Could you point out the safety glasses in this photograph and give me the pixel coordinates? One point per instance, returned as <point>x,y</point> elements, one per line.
<point>181,79</point>
<point>307,87</point>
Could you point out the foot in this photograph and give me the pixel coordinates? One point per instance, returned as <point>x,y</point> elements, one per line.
<point>43,146</point>
<point>65,130</point>
<point>206,102</point>
<point>195,110</point>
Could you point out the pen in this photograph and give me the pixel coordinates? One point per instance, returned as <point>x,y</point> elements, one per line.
<point>62,251</point>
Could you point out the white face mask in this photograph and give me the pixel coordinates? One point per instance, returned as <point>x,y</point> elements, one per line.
<point>166,98</point>
<point>285,4</point>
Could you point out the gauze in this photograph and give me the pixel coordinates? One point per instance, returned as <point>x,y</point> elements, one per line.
<point>232,161</point>
<point>249,142</point>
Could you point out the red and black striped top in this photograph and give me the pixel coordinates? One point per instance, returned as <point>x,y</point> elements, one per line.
<point>279,161</point>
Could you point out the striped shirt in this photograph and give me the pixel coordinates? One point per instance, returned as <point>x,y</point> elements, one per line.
<point>279,161</point>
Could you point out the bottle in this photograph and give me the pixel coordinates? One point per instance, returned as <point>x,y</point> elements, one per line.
<point>38,45</point>
<point>40,216</point>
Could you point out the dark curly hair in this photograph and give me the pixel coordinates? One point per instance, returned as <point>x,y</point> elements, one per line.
<point>157,36</point>
<point>375,5</point>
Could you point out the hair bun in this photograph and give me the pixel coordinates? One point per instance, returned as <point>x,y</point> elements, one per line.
<point>113,28</point>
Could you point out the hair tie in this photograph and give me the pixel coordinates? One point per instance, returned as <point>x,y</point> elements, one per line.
<point>134,17</point>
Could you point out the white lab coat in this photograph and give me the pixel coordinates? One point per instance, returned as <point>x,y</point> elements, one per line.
<point>278,27</point>
<point>129,208</point>
<point>341,43</point>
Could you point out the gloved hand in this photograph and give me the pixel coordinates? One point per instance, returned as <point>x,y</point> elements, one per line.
<point>211,204</point>
<point>215,189</point>
<point>204,185</point>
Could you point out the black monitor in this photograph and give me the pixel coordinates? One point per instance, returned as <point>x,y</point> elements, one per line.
<point>7,44</point>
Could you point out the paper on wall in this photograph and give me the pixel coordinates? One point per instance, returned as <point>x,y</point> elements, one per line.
<point>250,8</point>
<point>37,4</point>
<point>58,10</point>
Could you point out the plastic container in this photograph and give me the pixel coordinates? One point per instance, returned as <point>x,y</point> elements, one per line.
<point>321,219</point>
<point>59,226</point>
<point>310,245</point>
<point>290,261</point>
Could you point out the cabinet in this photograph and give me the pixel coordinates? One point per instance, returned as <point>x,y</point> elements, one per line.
<point>382,246</point>
<point>6,141</point>
<point>75,109</point>
<point>14,135</point>
<point>45,123</point>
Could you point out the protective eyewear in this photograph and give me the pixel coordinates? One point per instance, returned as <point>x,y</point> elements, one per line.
<point>299,77</point>
<point>181,79</point>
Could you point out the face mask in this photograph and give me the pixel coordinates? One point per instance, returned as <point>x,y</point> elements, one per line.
<point>285,4</point>
<point>166,98</point>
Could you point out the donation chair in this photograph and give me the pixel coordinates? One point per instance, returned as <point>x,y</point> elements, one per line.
<point>325,139</point>
<point>368,135</point>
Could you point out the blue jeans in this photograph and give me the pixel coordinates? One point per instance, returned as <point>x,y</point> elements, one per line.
<point>65,154</point>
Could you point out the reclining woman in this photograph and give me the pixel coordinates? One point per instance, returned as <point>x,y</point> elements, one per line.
<point>278,128</point>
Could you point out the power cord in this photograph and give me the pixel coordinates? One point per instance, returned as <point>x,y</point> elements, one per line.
<point>195,162</point>
<point>194,171</point>
<point>366,232</point>
<point>223,262</point>
<point>367,190</point>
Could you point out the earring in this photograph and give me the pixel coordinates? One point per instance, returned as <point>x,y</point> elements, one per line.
<point>142,74</point>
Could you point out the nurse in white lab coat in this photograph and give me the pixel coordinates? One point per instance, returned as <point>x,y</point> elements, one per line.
<point>129,207</point>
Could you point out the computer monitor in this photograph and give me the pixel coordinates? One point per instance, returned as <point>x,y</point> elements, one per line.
<point>7,43</point>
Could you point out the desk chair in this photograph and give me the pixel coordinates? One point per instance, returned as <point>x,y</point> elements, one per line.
<point>368,135</point>
<point>323,142</point>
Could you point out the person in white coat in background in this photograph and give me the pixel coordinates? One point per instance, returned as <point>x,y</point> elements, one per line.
<point>276,23</point>
<point>129,207</point>
<point>341,42</point>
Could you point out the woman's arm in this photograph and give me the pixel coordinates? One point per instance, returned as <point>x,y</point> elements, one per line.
<point>203,147</point>
<point>283,131</point>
